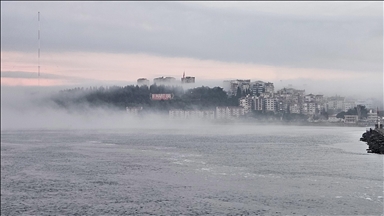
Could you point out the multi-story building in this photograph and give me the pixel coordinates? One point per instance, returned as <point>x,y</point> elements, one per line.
<point>190,114</point>
<point>134,110</point>
<point>258,103</point>
<point>229,112</point>
<point>309,108</point>
<point>309,98</point>
<point>372,116</point>
<point>187,79</point>
<point>281,106</point>
<point>269,88</point>
<point>164,80</point>
<point>142,81</point>
<point>230,86</point>
<point>333,118</point>
<point>246,103</point>
<point>257,88</point>
<point>367,103</point>
<point>348,106</point>
<point>294,108</point>
<point>270,104</point>
<point>319,98</point>
<point>335,103</point>
<point>350,119</point>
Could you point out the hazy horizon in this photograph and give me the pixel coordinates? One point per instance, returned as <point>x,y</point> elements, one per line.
<point>322,47</point>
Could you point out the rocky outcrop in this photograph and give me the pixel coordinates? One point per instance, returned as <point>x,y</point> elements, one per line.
<point>375,141</point>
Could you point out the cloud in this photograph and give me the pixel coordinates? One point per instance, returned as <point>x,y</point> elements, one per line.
<point>332,38</point>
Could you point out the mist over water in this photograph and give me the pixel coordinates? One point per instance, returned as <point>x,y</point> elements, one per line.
<point>33,107</point>
<point>102,161</point>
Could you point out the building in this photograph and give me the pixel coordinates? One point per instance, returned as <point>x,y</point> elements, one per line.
<point>246,103</point>
<point>229,112</point>
<point>319,98</point>
<point>134,110</point>
<point>142,81</point>
<point>269,88</point>
<point>367,103</point>
<point>258,103</point>
<point>335,103</point>
<point>350,119</point>
<point>257,88</point>
<point>187,79</point>
<point>348,106</point>
<point>191,114</point>
<point>164,80</point>
<point>270,104</point>
<point>294,108</point>
<point>333,118</point>
<point>372,116</point>
<point>309,98</point>
<point>231,86</point>
<point>309,108</point>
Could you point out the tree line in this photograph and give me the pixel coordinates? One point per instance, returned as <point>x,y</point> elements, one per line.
<point>131,96</point>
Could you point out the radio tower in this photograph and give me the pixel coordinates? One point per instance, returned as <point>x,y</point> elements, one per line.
<point>38,51</point>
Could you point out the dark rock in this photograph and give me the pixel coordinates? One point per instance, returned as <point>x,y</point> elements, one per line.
<point>374,140</point>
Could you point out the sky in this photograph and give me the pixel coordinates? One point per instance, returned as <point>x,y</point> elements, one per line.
<point>323,47</point>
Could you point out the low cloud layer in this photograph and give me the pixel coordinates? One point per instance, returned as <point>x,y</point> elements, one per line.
<point>339,36</point>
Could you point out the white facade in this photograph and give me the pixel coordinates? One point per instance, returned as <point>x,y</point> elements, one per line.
<point>230,86</point>
<point>164,80</point>
<point>142,81</point>
<point>309,108</point>
<point>270,104</point>
<point>336,103</point>
<point>333,118</point>
<point>188,114</point>
<point>309,98</point>
<point>294,108</point>
<point>229,112</point>
<point>133,110</point>
<point>246,103</point>
<point>350,119</point>
<point>348,105</point>
<point>257,103</point>
<point>372,116</point>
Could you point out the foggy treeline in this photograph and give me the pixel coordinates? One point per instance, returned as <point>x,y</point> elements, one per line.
<point>130,96</point>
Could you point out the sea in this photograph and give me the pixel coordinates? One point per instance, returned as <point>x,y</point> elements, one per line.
<point>229,169</point>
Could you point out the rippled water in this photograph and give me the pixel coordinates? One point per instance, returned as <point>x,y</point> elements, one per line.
<point>218,170</point>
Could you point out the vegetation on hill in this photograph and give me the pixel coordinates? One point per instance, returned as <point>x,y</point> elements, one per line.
<point>121,97</point>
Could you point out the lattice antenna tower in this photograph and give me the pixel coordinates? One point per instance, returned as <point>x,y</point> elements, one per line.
<point>38,51</point>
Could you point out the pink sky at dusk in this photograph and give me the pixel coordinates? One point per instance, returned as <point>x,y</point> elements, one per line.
<point>130,67</point>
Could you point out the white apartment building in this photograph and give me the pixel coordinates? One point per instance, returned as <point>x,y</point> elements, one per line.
<point>142,81</point>
<point>348,105</point>
<point>258,103</point>
<point>350,119</point>
<point>319,98</point>
<point>270,104</point>
<point>229,112</point>
<point>336,103</point>
<point>269,88</point>
<point>246,103</point>
<point>311,108</point>
<point>333,118</point>
<point>230,86</point>
<point>133,110</point>
<point>372,116</point>
<point>294,108</point>
<point>189,114</point>
<point>309,98</point>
